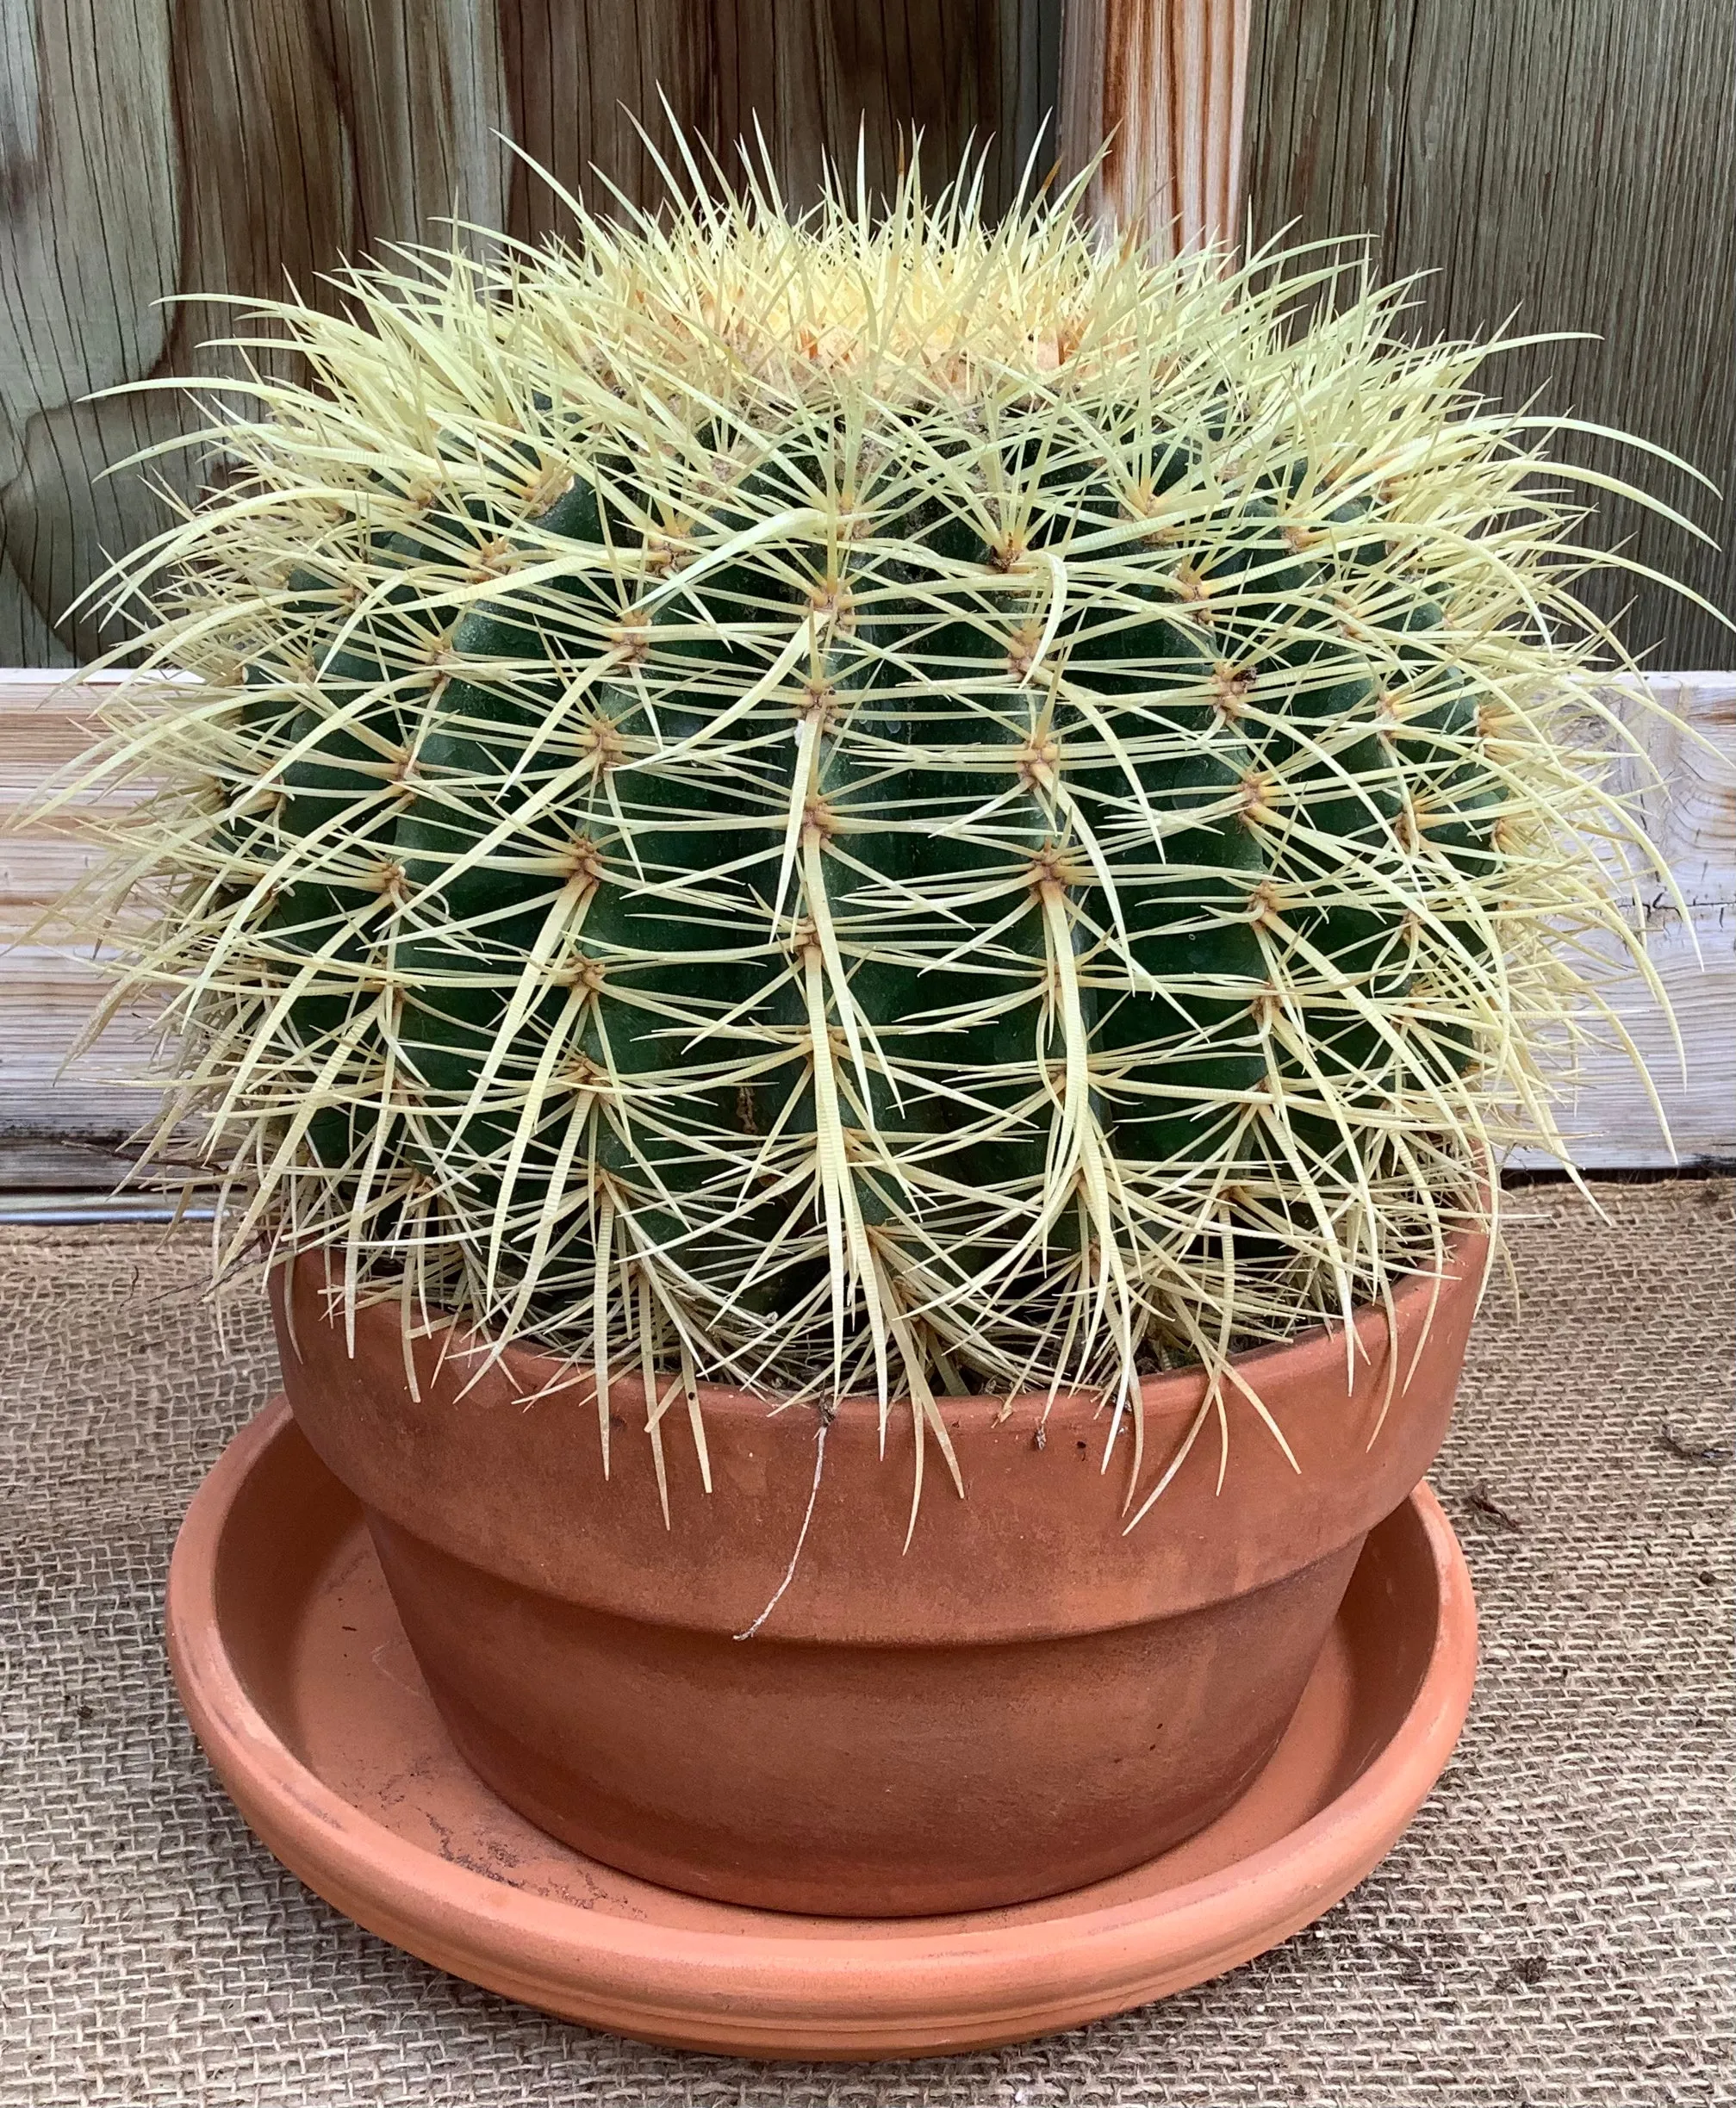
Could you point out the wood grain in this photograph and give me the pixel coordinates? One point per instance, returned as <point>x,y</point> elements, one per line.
<point>1159,86</point>
<point>47,994</point>
<point>1688,806</point>
<point>60,1167</point>
<point>1569,159</point>
<point>1570,162</point>
<point>175,147</point>
<point>49,990</point>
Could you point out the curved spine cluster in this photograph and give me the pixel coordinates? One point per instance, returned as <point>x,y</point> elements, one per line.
<point>860,804</point>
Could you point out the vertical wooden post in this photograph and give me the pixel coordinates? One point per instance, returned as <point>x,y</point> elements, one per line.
<point>1162,82</point>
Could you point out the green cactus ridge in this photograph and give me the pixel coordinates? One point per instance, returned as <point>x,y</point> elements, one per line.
<point>898,808</point>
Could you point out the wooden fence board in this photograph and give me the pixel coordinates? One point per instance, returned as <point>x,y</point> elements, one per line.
<point>175,147</point>
<point>1570,159</point>
<point>1572,156</point>
<point>1572,163</point>
<point>1159,86</point>
<point>1691,815</point>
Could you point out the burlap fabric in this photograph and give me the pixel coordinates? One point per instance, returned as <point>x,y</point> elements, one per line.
<point>1555,1929</point>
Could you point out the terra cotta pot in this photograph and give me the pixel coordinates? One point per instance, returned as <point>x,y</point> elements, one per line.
<point>1028,1699</point>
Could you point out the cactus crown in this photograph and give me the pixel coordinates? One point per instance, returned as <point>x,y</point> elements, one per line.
<point>867,803</point>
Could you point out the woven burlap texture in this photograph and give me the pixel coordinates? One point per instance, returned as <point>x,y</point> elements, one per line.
<point>1554,1929</point>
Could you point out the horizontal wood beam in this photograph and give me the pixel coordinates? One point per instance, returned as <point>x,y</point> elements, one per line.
<point>48,990</point>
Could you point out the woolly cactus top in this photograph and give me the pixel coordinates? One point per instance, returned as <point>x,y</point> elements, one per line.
<point>871,803</point>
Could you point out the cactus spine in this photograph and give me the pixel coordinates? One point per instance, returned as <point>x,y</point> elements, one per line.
<point>882,806</point>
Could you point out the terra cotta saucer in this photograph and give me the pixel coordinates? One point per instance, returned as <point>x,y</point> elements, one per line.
<point>301,1687</point>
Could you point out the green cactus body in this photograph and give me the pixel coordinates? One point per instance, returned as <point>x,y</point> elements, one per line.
<point>897,805</point>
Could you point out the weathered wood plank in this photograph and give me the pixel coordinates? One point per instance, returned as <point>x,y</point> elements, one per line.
<point>48,994</point>
<point>179,147</point>
<point>1570,162</point>
<point>815,70</point>
<point>1690,810</point>
<point>58,1168</point>
<point>48,990</point>
<point>1570,157</point>
<point>1160,85</point>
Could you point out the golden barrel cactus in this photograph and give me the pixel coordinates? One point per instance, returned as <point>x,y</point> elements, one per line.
<point>870,802</point>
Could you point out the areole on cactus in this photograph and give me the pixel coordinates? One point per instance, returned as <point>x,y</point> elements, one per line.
<point>871,804</point>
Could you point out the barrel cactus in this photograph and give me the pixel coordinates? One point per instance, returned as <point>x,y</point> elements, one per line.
<point>867,805</point>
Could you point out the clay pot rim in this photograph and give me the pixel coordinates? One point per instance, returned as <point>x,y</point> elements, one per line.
<point>682,1984</point>
<point>1174,1394</point>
